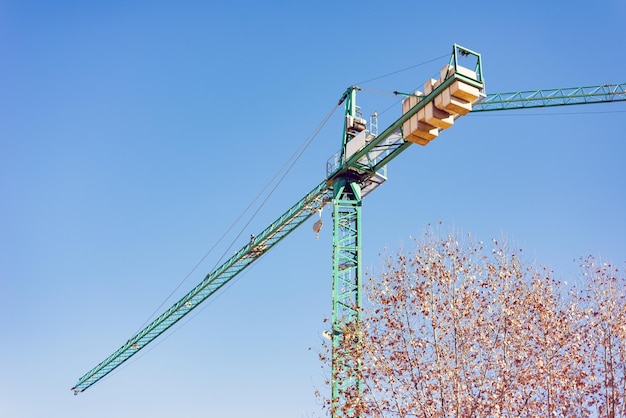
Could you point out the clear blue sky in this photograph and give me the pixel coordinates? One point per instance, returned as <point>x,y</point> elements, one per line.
<point>132,135</point>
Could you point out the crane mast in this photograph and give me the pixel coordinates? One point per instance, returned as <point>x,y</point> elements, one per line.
<point>346,282</point>
<point>357,169</point>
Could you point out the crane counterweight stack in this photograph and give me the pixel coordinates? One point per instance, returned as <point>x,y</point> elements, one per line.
<point>439,112</point>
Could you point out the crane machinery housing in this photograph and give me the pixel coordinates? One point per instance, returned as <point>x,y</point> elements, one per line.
<point>358,168</point>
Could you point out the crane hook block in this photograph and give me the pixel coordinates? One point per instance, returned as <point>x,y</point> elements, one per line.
<point>317,227</point>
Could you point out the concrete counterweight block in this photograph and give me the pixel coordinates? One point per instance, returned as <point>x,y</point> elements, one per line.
<point>435,117</point>
<point>409,125</point>
<point>415,131</point>
<point>464,91</point>
<point>416,139</point>
<point>430,85</point>
<point>410,101</point>
<point>418,132</point>
<point>407,104</point>
<point>425,131</point>
<point>448,70</point>
<point>451,104</point>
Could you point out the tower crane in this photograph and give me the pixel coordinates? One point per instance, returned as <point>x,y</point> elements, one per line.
<point>358,168</point>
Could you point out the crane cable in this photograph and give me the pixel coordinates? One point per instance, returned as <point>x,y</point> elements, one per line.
<point>294,158</point>
<point>287,167</point>
<point>404,69</point>
<point>298,153</point>
<point>395,93</point>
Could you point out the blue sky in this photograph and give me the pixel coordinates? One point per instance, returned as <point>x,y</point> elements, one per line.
<point>133,134</point>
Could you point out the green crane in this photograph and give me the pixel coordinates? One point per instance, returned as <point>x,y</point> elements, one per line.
<point>356,170</point>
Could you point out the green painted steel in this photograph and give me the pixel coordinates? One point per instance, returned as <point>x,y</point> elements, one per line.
<point>347,266</point>
<point>344,186</point>
<point>605,93</point>
<point>346,294</point>
<point>281,227</point>
<point>351,175</point>
<point>386,150</point>
<point>349,99</point>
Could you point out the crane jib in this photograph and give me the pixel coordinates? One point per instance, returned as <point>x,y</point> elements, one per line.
<point>215,280</point>
<point>605,93</point>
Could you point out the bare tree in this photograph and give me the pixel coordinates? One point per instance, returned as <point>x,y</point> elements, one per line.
<point>461,329</point>
<point>602,308</point>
